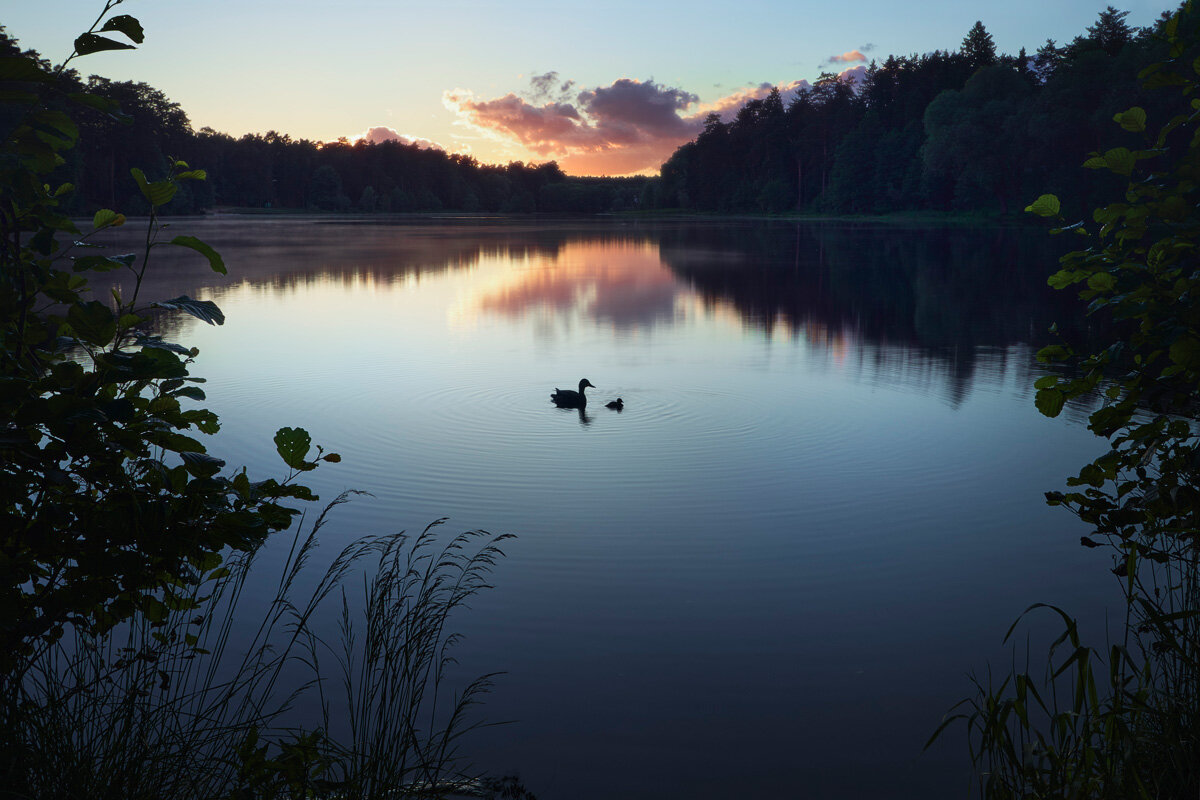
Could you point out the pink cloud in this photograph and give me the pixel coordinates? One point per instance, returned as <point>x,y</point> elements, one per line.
<point>544,129</point>
<point>629,127</point>
<point>381,133</point>
<point>849,57</point>
<point>727,106</point>
<point>854,76</point>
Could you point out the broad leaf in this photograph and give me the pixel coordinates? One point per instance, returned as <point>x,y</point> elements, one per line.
<point>123,23</point>
<point>1185,351</point>
<point>158,193</point>
<point>23,69</point>
<point>103,263</point>
<point>191,242</point>
<point>202,465</point>
<point>1045,206</point>
<point>293,445</point>
<point>1132,120</point>
<point>1120,160</point>
<point>1049,401</point>
<point>201,309</point>
<point>91,43</point>
<point>93,322</point>
<point>105,217</point>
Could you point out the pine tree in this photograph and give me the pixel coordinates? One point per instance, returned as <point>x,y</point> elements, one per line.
<point>978,47</point>
<point>1111,31</point>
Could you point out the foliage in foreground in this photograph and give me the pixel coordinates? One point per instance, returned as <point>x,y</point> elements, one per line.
<point>125,550</point>
<point>1124,721</point>
<point>198,705</point>
<point>109,504</point>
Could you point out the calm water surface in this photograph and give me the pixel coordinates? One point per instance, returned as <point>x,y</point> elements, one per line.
<point>767,576</point>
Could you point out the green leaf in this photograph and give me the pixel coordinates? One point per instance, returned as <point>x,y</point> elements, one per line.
<point>1120,160</point>
<point>1053,352</point>
<point>89,43</point>
<point>201,309</point>
<point>1063,278</point>
<point>1049,401</point>
<point>158,193</point>
<point>192,175</point>
<point>293,444</point>
<point>202,465</point>
<point>102,263</point>
<point>1186,352</point>
<point>194,392</point>
<point>1132,120</point>
<point>1102,282</point>
<point>192,243</point>
<point>1045,206</point>
<point>56,124</point>
<point>154,609</point>
<point>93,322</point>
<point>105,217</point>
<point>22,69</point>
<point>123,23</point>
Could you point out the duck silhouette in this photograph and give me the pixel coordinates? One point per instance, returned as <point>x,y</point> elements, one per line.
<point>565,398</point>
<point>617,404</point>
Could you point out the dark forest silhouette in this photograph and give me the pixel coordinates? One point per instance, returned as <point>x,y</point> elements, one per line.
<point>971,130</point>
<point>967,130</point>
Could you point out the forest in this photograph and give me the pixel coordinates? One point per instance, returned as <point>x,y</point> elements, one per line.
<point>971,130</point>
<point>275,171</point>
<point>966,130</point>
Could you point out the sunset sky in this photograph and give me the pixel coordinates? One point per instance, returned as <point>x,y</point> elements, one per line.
<point>603,88</point>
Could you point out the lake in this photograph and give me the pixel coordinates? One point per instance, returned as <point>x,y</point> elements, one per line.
<point>770,574</point>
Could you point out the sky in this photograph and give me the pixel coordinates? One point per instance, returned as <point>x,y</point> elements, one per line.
<point>603,88</point>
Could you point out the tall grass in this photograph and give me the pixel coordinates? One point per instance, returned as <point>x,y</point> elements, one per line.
<point>1122,721</point>
<point>202,702</point>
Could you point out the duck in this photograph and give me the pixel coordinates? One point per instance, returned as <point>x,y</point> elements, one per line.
<point>565,398</point>
<point>617,404</point>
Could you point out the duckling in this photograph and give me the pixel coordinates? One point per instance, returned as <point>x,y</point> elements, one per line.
<point>617,404</point>
<point>565,398</point>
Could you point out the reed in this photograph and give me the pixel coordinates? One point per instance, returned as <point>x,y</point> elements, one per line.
<point>1121,721</point>
<point>197,703</point>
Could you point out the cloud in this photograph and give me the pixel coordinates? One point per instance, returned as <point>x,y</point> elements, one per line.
<point>627,127</point>
<point>727,106</point>
<point>382,133</point>
<point>849,57</point>
<point>545,87</point>
<point>550,128</point>
<point>854,75</point>
<point>624,285</point>
<point>631,112</point>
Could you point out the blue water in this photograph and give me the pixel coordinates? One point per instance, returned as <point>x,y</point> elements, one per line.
<point>770,574</point>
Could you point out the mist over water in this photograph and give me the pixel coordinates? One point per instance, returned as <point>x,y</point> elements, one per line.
<point>770,573</point>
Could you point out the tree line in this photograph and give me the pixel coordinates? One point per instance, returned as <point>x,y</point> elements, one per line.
<point>273,170</point>
<point>965,130</point>
<point>968,130</point>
